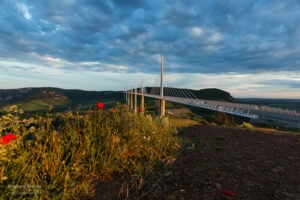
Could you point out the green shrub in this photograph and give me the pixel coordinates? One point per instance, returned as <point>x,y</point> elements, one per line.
<point>219,118</point>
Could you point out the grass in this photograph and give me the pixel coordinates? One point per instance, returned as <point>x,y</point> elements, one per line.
<point>268,130</point>
<point>61,156</point>
<point>182,123</point>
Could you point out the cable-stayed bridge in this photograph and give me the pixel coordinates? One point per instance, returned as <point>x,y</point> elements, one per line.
<point>284,117</point>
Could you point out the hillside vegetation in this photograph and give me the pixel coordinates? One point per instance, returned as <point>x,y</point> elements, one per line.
<point>45,99</point>
<point>56,99</point>
<point>214,94</point>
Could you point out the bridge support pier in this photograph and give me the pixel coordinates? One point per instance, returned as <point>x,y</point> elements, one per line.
<point>135,100</point>
<point>142,106</point>
<point>162,107</point>
<point>142,103</point>
<point>162,101</point>
<point>131,100</point>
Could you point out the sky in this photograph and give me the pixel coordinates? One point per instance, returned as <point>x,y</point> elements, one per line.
<point>248,48</point>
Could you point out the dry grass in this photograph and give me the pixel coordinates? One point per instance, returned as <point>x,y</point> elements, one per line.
<point>182,123</point>
<point>61,156</point>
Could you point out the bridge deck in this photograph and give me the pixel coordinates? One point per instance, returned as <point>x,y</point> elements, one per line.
<point>204,104</point>
<point>244,110</point>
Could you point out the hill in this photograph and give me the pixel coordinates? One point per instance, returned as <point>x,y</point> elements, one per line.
<point>47,98</point>
<point>214,94</point>
<point>206,94</point>
<point>57,99</point>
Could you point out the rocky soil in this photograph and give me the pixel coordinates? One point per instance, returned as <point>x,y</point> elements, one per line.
<point>219,163</point>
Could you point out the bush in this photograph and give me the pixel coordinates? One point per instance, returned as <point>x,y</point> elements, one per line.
<point>219,118</point>
<point>247,125</point>
<point>60,157</point>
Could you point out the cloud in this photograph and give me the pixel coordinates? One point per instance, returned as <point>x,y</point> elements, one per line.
<point>196,32</point>
<point>287,83</point>
<point>222,37</point>
<point>24,10</point>
<point>215,37</point>
<point>282,84</point>
<point>128,36</point>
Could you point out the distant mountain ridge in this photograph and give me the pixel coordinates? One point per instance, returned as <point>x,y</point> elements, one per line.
<point>214,94</point>
<point>48,98</point>
<point>205,94</point>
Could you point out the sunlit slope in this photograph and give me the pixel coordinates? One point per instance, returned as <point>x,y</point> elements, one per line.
<point>44,100</point>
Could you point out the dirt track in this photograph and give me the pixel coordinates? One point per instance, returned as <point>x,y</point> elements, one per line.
<point>250,165</point>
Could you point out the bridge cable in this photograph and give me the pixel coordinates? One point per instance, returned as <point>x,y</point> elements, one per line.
<point>194,96</point>
<point>175,91</point>
<point>179,91</point>
<point>186,91</point>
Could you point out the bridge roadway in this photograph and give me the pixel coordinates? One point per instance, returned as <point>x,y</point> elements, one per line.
<point>284,117</point>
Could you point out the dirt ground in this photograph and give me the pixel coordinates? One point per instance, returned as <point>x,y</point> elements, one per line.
<point>225,163</point>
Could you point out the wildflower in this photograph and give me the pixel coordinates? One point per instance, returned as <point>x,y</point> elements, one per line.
<point>113,110</point>
<point>7,138</point>
<point>227,192</point>
<point>11,136</point>
<point>140,110</point>
<point>4,141</point>
<point>131,152</point>
<point>100,105</point>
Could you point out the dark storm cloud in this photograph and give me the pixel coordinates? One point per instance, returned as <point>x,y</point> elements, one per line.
<point>194,36</point>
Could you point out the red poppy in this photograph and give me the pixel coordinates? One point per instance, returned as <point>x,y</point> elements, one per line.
<point>11,136</point>
<point>113,110</point>
<point>4,141</point>
<point>7,138</point>
<point>100,105</point>
<point>227,192</point>
<point>140,110</point>
<point>131,152</point>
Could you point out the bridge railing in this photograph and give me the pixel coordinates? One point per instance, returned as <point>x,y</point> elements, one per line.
<point>204,104</point>
<point>258,108</point>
